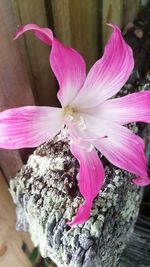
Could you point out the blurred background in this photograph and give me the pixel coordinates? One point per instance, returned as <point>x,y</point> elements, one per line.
<point>26,79</point>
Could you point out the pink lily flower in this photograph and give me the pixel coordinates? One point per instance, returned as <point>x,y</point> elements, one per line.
<point>88,118</point>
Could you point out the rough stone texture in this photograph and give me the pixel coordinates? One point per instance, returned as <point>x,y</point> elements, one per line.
<point>46,194</point>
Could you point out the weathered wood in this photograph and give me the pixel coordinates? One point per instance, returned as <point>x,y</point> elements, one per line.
<point>111,13</point>
<point>137,252</point>
<point>144,2</point>
<point>75,24</point>
<point>118,12</point>
<point>130,10</point>
<point>46,193</point>
<point>11,253</point>
<point>15,88</point>
<point>35,53</point>
<point>10,162</point>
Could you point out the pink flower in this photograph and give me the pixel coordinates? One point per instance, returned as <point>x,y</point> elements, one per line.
<point>88,118</point>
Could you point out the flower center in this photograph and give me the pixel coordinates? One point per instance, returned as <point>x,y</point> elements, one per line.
<point>74,127</point>
<point>69,113</point>
<point>73,117</point>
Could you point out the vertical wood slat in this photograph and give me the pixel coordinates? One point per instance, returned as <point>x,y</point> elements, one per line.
<point>15,88</point>
<point>75,24</point>
<point>118,12</point>
<point>111,13</point>
<point>10,162</point>
<point>130,10</point>
<point>36,54</point>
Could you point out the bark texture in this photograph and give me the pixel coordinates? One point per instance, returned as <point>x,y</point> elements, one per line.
<point>47,196</point>
<point>46,193</point>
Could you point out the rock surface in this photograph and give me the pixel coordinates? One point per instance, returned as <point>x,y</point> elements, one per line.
<point>46,194</point>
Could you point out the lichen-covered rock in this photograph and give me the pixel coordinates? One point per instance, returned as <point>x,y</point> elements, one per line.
<point>46,194</point>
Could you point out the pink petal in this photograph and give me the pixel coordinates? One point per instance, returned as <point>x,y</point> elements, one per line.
<point>44,34</point>
<point>141,182</point>
<point>130,108</point>
<point>91,179</point>
<point>29,126</point>
<point>108,74</point>
<point>125,150</point>
<point>66,63</point>
<point>69,69</point>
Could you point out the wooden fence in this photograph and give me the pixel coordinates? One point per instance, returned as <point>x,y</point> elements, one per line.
<point>25,74</point>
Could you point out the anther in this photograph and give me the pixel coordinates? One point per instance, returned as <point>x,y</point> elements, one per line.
<point>82,123</point>
<point>90,148</point>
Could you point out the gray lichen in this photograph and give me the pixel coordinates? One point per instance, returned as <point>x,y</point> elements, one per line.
<point>47,196</point>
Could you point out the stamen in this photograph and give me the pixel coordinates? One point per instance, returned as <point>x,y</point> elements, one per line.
<point>91,147</point>
<point>82,123</point>
<point>68,111</point>
<point>95,139</point>
<point>70,118</point>
<point>64,133</point>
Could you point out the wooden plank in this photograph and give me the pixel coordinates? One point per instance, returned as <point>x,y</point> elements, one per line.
<point>15,88</point>
<point>111,13</point>
<point>10,161</point>
<point>11,253</point>
<point>130,10</point>
<point>36,54</point>
<point>14,83</point>
<point>75,24</point>
<point>118,12</point>
<point>137,251</point>
<point>144,2</point>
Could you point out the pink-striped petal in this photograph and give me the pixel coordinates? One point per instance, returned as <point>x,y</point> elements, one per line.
<point>66,63</point>
<point>125,150</point>
<point>44,34</point>
<point>29,126</point>
<point>108,74</point>
<point>91,179</point>
<point>130,108</point>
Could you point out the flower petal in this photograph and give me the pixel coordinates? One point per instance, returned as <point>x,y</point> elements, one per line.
<point>69,69</point>
<point>125,150</point>
<point>44,34</point>
<point>91,179</point>
<point>126,109</point>
<point>66,63</point>
<point>29,126</point>
<point>108,74</point>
